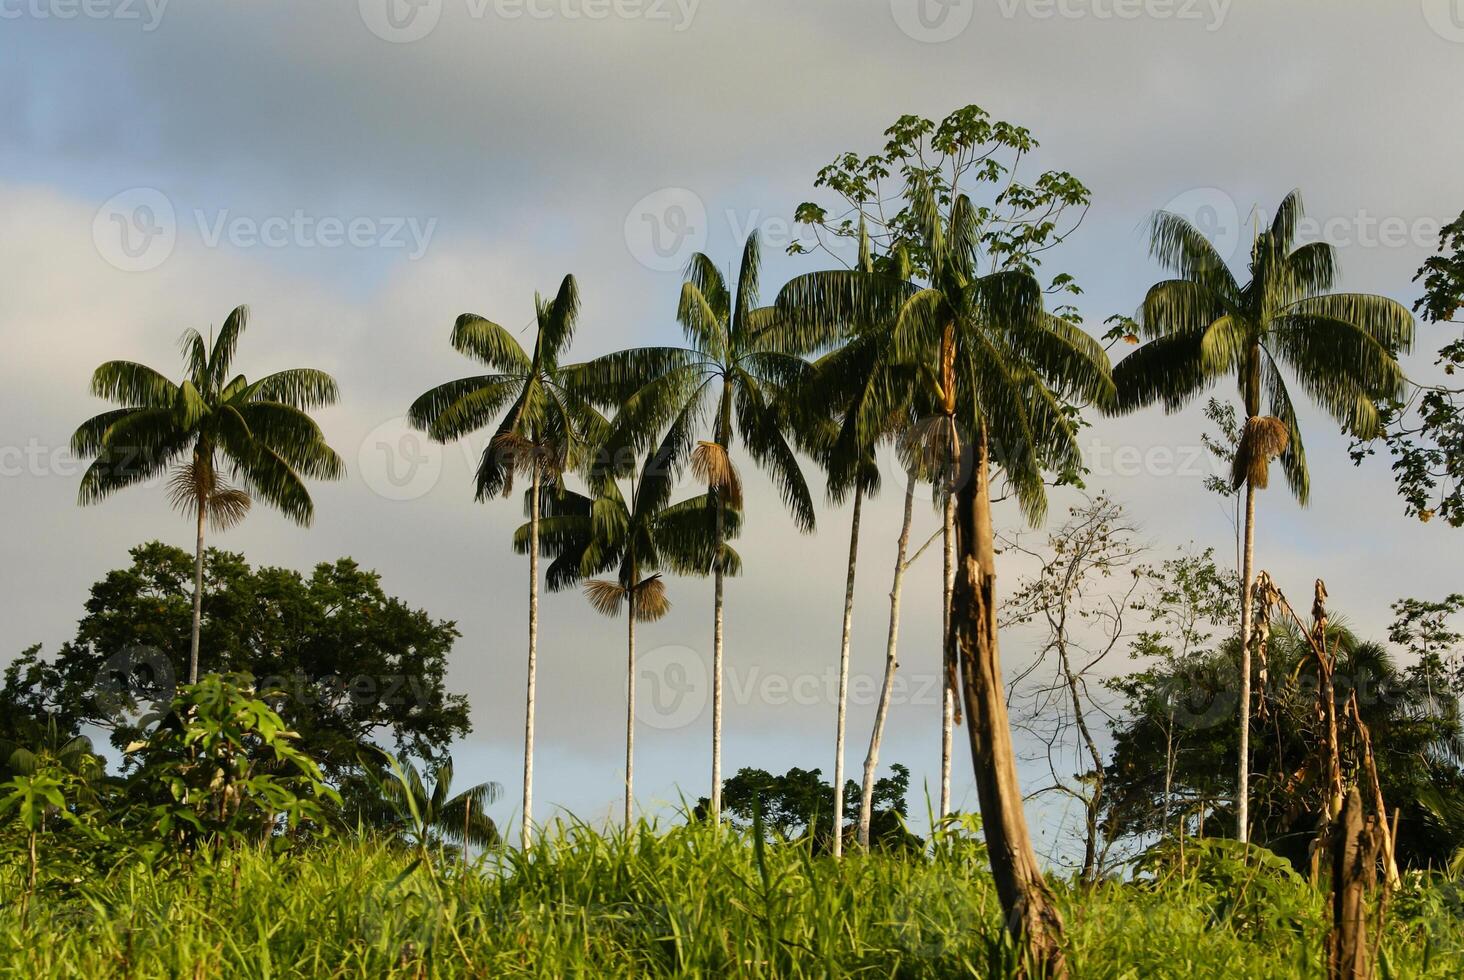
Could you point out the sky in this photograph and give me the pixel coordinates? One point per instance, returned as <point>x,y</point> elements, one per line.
<point>362,171</point>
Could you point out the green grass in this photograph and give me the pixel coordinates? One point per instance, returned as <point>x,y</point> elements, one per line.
<point>677,902</point>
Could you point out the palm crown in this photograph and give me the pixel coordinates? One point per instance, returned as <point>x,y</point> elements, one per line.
<point>259,430</point>
<point>1203,324</point>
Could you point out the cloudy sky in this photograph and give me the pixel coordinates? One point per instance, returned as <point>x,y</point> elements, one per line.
<point>362,172</point>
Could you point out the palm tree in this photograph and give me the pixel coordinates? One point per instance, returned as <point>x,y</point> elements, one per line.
<point>593,535</point>
<point>544,429</point>
<point>259,431</point>
<point>1202,324</point>
<point>736,366</point>
<point>997,366</point>
<point>405,806</point>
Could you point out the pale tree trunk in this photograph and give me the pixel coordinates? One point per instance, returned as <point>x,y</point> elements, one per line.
<point>197,596</point>
<point>717,670</point>
<point>1031,915</point>
<point>1247,565</point>
<point>871,759</point>
<point>526,837</point>
<point>629,701</point>
<point>838,817</point>
<point>948,671</point>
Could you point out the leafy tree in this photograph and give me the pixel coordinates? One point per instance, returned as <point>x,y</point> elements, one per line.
<point>259,431</point>
<point>798,803</point>
<point>970,321</point>
<point>544,427</point>
<point>343,663</point>
<point>424,817</point>
<point>1203,324</point>
<point>736,368</point>
<point>637,541</point>
<point>1425,427</point>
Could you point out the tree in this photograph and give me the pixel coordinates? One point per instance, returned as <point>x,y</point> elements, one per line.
<point>796,805</point>
<point>1425,428</point>
<point>544,429</point>
<point>424,817</point>
<point>588,536</point>
<point>259,431</point>
<point>736,367</point>
<point>1001,368</point>
<point>343,663</point>
<point>1203,324</point>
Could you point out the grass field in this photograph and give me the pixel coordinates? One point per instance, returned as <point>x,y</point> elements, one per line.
<point>679,902</point>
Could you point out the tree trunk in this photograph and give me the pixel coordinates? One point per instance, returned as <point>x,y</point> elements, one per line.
<point>193,639</point>
<point>526,837</point>
<point>1032,916</point>
<point>630,700</point>
<point>871,759</point>
<point>838,817</point>
<point>1248,556</point>
<point>717,670</point>
<point>948,664</point>
<point>1353,858</point>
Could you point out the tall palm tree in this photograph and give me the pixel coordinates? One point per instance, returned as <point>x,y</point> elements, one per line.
<point>545,426</point>
<point>1203,324</point>
<point>735,368</point>
<point>1001,368</point>
<point>258,431</point>
<point>592,535</point>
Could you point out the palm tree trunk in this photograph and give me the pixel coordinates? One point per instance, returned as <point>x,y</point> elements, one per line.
<point>1031,915</point>
<point>526,836</point>
<point>1242,781</point>
<point>871,759</point>
<point>948,673</point>
<point>629,700</point>
<point>197,596</point>
<point>717,670</point>
<point>838,818</point>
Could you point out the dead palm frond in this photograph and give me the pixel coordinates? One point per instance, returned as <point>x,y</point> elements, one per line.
<point>1263,439</point>
<point>198,481</point>
<point>711,465</point>
<point>607,596</point>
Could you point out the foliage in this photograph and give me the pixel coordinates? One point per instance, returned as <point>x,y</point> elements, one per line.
<point>798,804</point>
<point>342,662</point>
<point>405,808</point>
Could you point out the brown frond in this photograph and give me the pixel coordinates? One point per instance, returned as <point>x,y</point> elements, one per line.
<point>605,595</point>
<point>1263,439</point>
<point>711,465</point>
<point>227,506</point>
<point>198,481</point>
<point>650,600</point>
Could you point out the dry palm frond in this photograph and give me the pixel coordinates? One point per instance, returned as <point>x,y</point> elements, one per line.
<point>711,465</point>
<point>1265,597</point>
<point>926,449</point>
<point>516,454</point>
<point>605,595</point>
<point>1263,439</point>
<point>650,600</point>
<point>198,481</point>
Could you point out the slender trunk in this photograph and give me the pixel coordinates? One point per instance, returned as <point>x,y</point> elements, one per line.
<point>717,670</point>
<point>1092,805</point>
<point>948,665</point>
<point>629,700</point>
<point>1031,914</point>
<point>197,596</point>
<point>838,817</point>
<point>1247,566</point>
<point>871,760</point>
<point>526,837</point>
